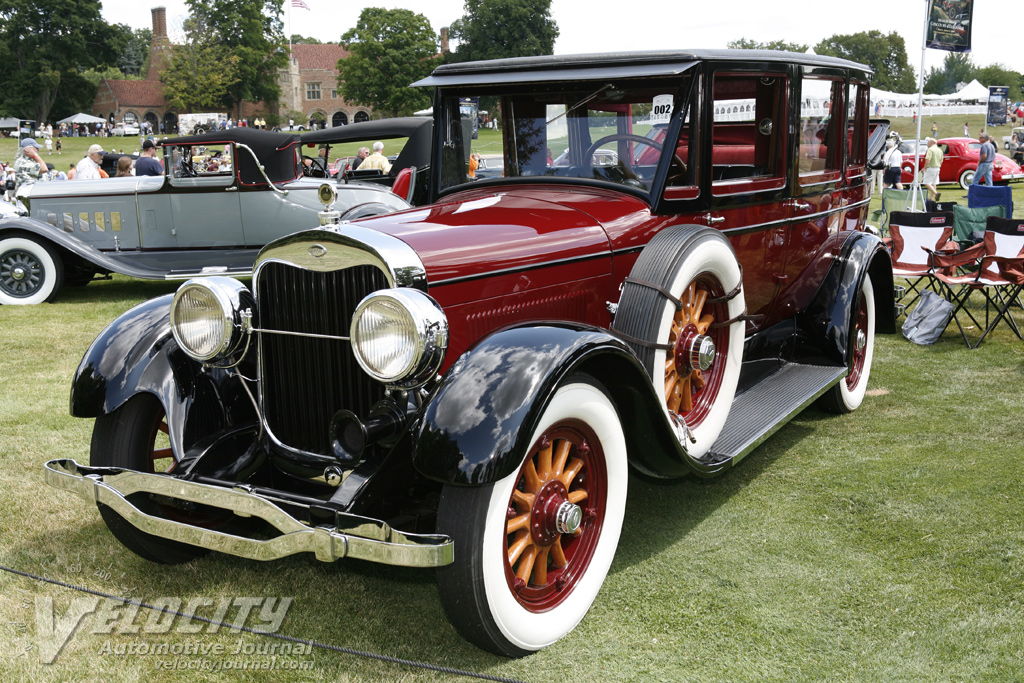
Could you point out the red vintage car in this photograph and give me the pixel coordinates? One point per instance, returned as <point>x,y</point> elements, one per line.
<point>466,385</point>
<point>960,161</point>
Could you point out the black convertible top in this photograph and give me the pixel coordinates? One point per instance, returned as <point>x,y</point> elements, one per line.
<point>418,129</point>
<point>276,151</point>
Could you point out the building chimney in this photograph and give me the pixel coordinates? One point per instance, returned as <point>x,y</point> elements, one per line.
<point>444,40</point>
<point>159,22</point>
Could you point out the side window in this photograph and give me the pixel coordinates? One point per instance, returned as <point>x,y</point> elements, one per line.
<point>748,151</point>
<point>857,129</point>
<point>213,164</point>
<point>821,115</point>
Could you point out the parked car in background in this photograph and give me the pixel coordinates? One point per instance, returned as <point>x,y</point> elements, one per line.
<point>960,161</point>
<point>491,166</point>
<point>125,128</point>
<point>222,197</point>
<point>464,385</point>
<point>1008,142</point>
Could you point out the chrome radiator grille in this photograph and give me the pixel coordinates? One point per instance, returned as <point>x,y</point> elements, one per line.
<point>304,381</point>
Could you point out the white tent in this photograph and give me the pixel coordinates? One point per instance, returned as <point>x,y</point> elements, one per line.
<point>972,92</point>
<point>82,118</point>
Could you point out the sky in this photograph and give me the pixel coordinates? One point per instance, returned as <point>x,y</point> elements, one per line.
<point>598,25</point>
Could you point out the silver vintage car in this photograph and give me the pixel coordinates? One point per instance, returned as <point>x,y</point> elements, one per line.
<point>222,197</point>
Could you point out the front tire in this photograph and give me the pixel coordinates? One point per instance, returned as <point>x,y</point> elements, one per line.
<point>533,549</point>
<point>848,394</point>
<point>130,438</point>
<point>31,272</point>
<point>699,266</point>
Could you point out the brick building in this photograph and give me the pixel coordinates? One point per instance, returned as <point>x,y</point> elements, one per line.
<point>309,86</point>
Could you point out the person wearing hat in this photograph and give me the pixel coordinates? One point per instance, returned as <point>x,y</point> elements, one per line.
<point>377,160</point>
<point>28,165</point>
<point>89,167</point>
<point>147,163</point>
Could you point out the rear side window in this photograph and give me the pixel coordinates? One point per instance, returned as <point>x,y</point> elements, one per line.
<point>749,132</point>
<point>821,116</point>
<point>857,129</point>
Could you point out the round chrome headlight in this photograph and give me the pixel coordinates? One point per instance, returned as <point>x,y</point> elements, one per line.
<point>207,317</point>
<point>399,336</point>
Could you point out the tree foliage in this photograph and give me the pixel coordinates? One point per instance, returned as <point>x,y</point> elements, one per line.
<point>494,29</point>
<point>45,47</point>
<point>134,58</point>
<point>886,54</point>
<point>997,74</point>
<point>745,44</point>
<point>253,33</point>
<point>956,68</point>
<point>388,50</point>
<point>202,71</point>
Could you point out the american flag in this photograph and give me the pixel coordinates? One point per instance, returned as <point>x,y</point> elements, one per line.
<point>300,4</point>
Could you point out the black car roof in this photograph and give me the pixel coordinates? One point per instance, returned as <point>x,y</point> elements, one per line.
<point>274,150</point>
<point>418,129</point>
<point>612,65</point>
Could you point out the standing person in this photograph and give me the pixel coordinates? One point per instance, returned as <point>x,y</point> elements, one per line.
<point>935,129</point>
<point>967,130</point>
<point>58,146</point>
<point>377,160</point>
<point>29,167</point>
<point>148,164</point>
<point>893,166</point>
<point>986,155</point>
<point>49,145</point>
<point>932,164</point>
<point>89,167</point>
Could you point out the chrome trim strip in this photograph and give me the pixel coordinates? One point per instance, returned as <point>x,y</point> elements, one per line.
<point>357,537</point>
<point>346,246</point>
<point>795,219</point>
<point>301,334</point>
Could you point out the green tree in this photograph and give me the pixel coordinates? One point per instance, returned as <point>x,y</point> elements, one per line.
<point>134,58</point>
<point>494,29</point>
<point>997,74</point>
<point>388,50</point>
<point>45,47</point>
<point>253,33</point>
<point>885,54</point>
<point>745,44</point>
<point>303,40</point>
<point>202,72</point>
<point>956,68</point>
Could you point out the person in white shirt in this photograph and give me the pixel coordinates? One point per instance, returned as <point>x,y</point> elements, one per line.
<point>893,166</point>
<point>89,167</point>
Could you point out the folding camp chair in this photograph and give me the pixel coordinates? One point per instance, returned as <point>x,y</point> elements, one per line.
<point>896,200</point>
<point>914,239</point>
<point>1000,276</point>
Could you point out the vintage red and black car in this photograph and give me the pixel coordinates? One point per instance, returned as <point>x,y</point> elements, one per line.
<point>466,385</point>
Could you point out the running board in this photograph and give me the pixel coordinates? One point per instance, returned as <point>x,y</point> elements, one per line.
<point>766,407</point>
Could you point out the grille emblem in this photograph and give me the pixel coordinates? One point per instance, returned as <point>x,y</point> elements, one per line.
<point>317,250</point>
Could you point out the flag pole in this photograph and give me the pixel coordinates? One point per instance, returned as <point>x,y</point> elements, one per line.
<point>915,186</point>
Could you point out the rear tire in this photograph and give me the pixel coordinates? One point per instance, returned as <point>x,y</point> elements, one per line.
<point>520,582</point>
<point>966,178</point>
<point>848,394</point>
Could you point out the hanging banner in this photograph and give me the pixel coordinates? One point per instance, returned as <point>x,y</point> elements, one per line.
<point>949,25</point>
<point>997,98</point>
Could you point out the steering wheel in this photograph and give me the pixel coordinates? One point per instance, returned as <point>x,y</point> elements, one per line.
<point>632,137</point>
<point>316,168</point>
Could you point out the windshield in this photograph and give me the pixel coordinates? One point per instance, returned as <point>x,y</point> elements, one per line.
<point>608,132</point>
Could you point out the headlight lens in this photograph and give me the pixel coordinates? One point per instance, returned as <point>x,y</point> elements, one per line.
<point>399,336</point>
<point>206,317</point>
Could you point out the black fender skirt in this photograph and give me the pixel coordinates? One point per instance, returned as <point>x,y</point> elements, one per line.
<point>477,425</point>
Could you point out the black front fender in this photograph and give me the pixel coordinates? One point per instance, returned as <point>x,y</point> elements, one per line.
<point>138,354</point>
<point>477,427</point>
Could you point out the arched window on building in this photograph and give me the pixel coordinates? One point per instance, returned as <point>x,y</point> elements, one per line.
<point>362,116</point>
<point>340,118</point>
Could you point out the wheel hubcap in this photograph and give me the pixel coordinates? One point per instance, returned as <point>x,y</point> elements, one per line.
<point>692,374</point>
<point>554,518</point>
<point>20,274</point>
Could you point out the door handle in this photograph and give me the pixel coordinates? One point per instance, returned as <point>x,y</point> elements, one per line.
<point>231,189</point>
<point>713,220</point>
<point>799,205</point>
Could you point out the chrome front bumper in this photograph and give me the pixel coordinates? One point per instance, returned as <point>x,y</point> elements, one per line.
<point>354,536</point>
